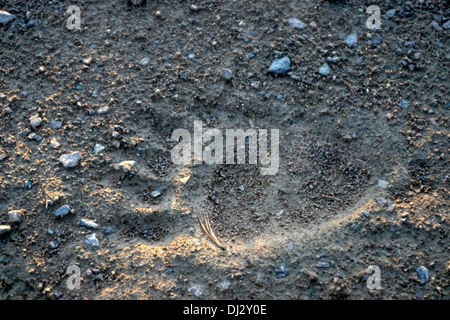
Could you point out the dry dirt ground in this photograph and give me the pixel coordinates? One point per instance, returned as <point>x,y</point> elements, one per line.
<point>364,151</point>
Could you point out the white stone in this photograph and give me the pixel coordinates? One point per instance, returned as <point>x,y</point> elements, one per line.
<point>70,160</point>
<point>14,216</point>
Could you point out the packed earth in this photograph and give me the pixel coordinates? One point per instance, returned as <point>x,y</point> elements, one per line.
<point>93,207</point>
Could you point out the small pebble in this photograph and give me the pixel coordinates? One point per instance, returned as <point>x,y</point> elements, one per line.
<point>322,264</point>
<point>390,13</point>
<point>334,59</point>
<point>404,104</point>
<point>4,229</point>
<point>145,61</point>
<point>91,241</point>
<point>225,285</point>
<point>280,65</point>
<point>196,289</point>
<point>109,230</point>
<point>125,166</point>
<point>89,224</point>
<point>351,40</point>
<point>156,193</point>
<point>436,26</point>
<point>99,148</point>
<point>35,121</point>
<point>103,110</point>
<point>226,74</point>
<point>382,202</point>
<point>282,271</point>
<point>64,210</point>
<point>297,24</point>
<point>56,124</point>
<point>423,274</point>
<point>325,69</point>
<point>14,216</point>
<point>382,184</point>
<point>447,25</point>
<point>54,144</point>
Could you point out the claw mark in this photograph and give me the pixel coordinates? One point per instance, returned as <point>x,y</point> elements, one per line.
<point>208,230</point>
<point>352,89</point>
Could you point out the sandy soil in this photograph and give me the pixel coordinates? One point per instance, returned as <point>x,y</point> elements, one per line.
<point>364,153</point>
